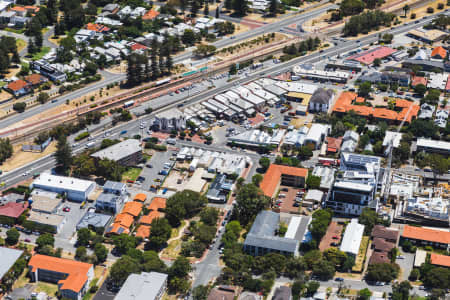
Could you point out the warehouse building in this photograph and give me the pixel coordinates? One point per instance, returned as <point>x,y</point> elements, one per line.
<point>76,189</point>
<point>126,153</point>
<point>45,201</point>
<point>352,238</point>
<point>434,146</point>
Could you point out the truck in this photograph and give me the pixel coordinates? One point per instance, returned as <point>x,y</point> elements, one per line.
<point>90,145</point>
<point>128,104</point>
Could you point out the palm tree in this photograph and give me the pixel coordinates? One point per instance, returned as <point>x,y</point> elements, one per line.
<point>406,9</point>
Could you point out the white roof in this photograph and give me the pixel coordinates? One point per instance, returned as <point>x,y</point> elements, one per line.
<point>352,237</point>
<point>353,186</point>
<point>428,143</point>
<point>394,137</point>
<point>300,71</point>
<point>420,257</point>
<point>9,257</point>
<point>437,81</point>
<point>142,286</point>
<point>315,195</point>
<point>298,87</point>
<point>316,132</point>
<point>119,151</point>
<point>292,228</point>
<point>62,182</point>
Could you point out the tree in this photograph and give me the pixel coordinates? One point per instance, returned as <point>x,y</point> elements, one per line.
<point>209,215</point>
<point>206,9</point>
<point>420,89</point>
<point>324,270</point>
<point>364,89</point>
<point>81,254</point>
<point>250,200</point>
<point>400,291</point>
<point>265,163</point>
<point>63,154</point>
<point>313,182</point>
<point>188,37</point>
<point>200,292</point>
<point>256,179</point>
<point>180,268</point>
<point>319,224</point>
<point>43,97</point>
<point>12,236</point>
<point>414,275</point>
<point>124,242</point>
<point>203,50</point>
<point>364,294</point>
<point>233,69</point>
<point>406,9</point>
<point>273,7</point>
<point>312,287</point>
<point>377,62</point>
<point>121,269</point>
<point>368,218</point>
<point>19,106</point>
<point>182,205</point>
<point>217,12</point>
<point>384,272</point>
<point>228,4</point>
<point>161,231</point>
<point>83,237</point>
<point>240,7</point>
<point>101,252</point>
<point>45,239</point>
<point>335,256</point>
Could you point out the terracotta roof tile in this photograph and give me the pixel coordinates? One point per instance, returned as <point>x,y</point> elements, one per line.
<point>140,197</point>
<point>35,79</point>
<point>426,234</point>
<point>384,113</point>
<point>419,80</point>
<point>150,15</point>
<point>143,231</point>
<point>97,27</point>
<point>379,258</point>
<point>17,85</point>
<point>272,178</point>
<point>13,209</point>
<point>158,203</point>
<point>148,219</point>
<point>333,144</point>
<point>440,260</point>
<point>132,208</point>
<point>76,271</point>
<point>439,52</point>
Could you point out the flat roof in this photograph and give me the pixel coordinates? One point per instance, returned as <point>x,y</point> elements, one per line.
<point>431,35</point>
<point>428,143</point>
<point>94,219</point>
<point>48,219</point>
<point>144,286</point>
<point>420,257</point>
<point>119,151</point>
<point>44,201</point>
<point>9,257</point>
<point>352,237</point>
<point>353,186</point>
<point>62,182</point>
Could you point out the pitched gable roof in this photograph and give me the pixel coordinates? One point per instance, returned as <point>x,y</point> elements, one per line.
<point>273,176</point>
<point>439,52</point>
<point>426,234</point>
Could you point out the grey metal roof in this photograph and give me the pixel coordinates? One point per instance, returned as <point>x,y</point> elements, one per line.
<point>262,234</point>
<point>9,257</point>
<point>94,219</point>
<point>114,185</point>
<point>119,151</point>
<point>282,293</point>
<point>144,286</point>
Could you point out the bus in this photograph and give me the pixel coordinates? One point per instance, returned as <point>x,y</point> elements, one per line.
<point>128,104</point>
<point>90,145</point>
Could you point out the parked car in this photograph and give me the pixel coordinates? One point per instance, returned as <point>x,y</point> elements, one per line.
<point>339,279</point>
<point>66,209</point>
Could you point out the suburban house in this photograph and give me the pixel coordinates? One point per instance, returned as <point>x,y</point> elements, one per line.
<point>18,88</point>
<point>35,80</point>
<point>439,53</point>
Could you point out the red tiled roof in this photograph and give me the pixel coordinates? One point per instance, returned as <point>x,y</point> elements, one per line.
<point>384,113</point>
<point>158,203</point>
<point>272,178</point>
<point>379,258</point>
<point>148,219</point>
<point>97,27</point>
<point>137,46</point>
<point>17,85</point>
<point>380,231</point>
<point>35,79</point>
<point>143,231</point>
<point>18,8</point>
<point>439,52</point>
<point>150,15</point>
<point>13,209</point>
<point>382,245</point>
<point>132,208</point>
<point>426,234</point>
<point>360,100</point>
<point>447,86</point>
<point>141,197</point>
<point>440,260</point>
<point>367,57</point>
<point>76,271</point>
<point>419,80</point>
<point>333,144</point>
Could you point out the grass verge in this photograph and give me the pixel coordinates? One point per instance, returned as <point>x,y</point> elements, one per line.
<point>359,262</point>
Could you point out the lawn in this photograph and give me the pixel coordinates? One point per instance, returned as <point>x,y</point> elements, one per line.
<point>21,44</point>
<point>40,54</point>
<point>89,295</point>
<point>359,262</point>
<point>48,288</point>
<point>18,31</point>
<point>22,280</point>
<point>131,174</point>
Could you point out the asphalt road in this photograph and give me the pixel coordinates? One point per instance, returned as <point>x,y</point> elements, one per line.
<point>15,176</point>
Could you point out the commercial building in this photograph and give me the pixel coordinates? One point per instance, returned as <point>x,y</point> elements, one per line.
<point>114,187</point>
<point>321,100</point>
<point>110,202</point>
<point>169,120</point>
<point>350,141</point>
<point>317,134</point>
<point>93,220</point>
<point>427,236</point>
<point>367,57</point>
<point>434,146</point>
<point>261,238</point>
<point>53,220</point>
<point>46,69</point>
<point>44,201</point>
<point>356,186</point>
<point>9,257</point>
<point>72,277</point>
<point>326,175</point>
<point>427,36</point>
<point>437,81</point>
<point>144,286</point>
<point>333,76</point>
<point>352,238</point>
<point>278,175</point>
<point>126,153</point>
<point>219,189</point>
<point>76,189</point>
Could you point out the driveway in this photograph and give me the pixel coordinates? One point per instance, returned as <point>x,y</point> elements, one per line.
<point>406,264</point>
<point>22,293</point>
<point>104,294</point>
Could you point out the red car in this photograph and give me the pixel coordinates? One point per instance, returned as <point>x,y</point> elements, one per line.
<point>27,240</point>
<point>66,209</point>
<point>335,237</point>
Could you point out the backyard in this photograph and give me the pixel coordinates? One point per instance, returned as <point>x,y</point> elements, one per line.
<point>131,174</point>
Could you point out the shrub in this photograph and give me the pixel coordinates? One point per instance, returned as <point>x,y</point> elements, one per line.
<point>430,10</point>
<point>19,106</point>
<point>82,135</point>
